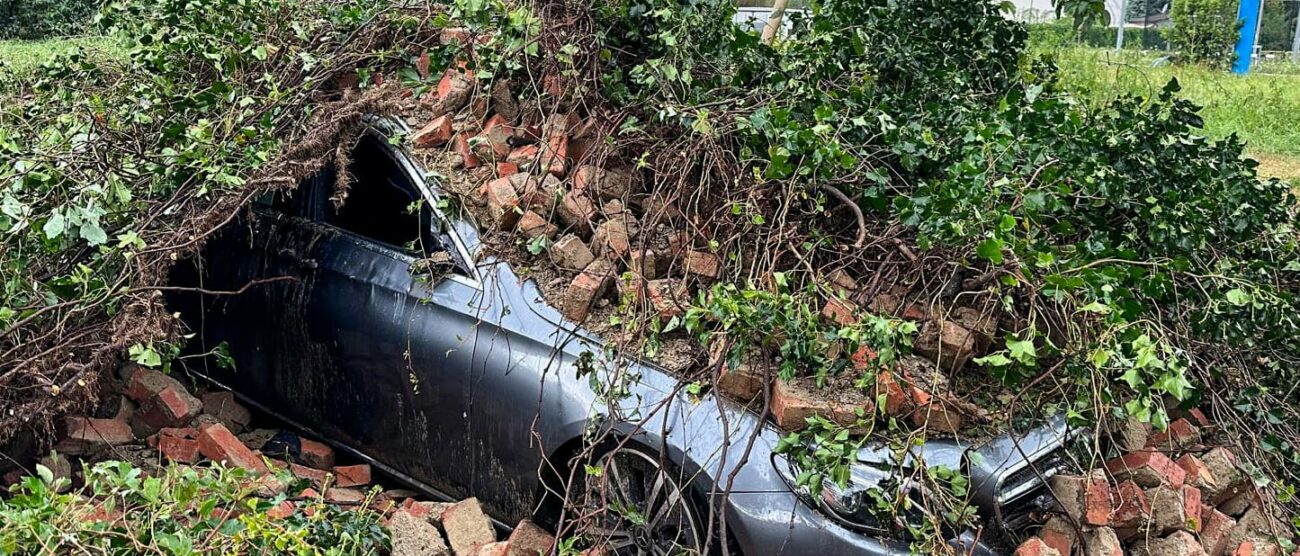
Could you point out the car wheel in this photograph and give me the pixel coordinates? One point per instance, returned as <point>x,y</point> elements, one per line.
<point>637,507</point>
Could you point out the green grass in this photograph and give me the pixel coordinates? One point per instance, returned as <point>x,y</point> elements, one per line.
<point>1261,108</point>
<point>27,56</point>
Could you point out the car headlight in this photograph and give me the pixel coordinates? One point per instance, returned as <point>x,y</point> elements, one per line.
<point>874,500</point>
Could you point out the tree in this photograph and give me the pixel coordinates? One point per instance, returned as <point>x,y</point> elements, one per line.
<point>1084,13</point>
<point>1204,31</point>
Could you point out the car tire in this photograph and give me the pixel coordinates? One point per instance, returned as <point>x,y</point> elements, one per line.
<point>638,505</point>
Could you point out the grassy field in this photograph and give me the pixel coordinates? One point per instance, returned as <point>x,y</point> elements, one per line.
<point>1263,109</point>
<point>25,56</point>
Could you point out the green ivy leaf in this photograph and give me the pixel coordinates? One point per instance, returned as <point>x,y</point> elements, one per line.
<point>990,250</point>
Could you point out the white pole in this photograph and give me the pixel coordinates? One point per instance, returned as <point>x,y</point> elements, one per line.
<point>1295,45</point>
<point>774,20</point>
<point>1123,18</point>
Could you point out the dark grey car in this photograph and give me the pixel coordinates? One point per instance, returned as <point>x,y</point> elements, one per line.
<point>462,381</point>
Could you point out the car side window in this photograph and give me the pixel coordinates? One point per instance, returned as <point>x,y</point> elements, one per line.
<point>381,204</point>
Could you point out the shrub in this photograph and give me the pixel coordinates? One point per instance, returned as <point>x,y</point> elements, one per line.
<point>39,19</point>
<point>122,511</point>
<point>1204,31</point>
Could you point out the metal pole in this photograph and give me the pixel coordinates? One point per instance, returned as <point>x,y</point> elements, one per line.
<point>1123,18</point>
<point>1248,14</point>
<point>1295,45</point>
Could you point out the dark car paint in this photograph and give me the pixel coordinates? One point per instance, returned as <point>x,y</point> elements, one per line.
<point>490,386</point>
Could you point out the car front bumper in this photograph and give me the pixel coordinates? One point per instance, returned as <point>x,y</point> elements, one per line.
<point>779,523</point>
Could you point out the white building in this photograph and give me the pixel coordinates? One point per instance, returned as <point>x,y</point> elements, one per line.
<point>1038,11</point>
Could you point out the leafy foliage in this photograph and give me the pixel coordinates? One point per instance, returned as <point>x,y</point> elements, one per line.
<point>38,19</point>
<point>1204,31</point>
<point>183,510</point>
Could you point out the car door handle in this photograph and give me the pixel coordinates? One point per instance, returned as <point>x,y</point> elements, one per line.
<point>297,260</point>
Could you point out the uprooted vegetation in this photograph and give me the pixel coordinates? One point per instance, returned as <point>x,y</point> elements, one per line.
<point>890,177</point>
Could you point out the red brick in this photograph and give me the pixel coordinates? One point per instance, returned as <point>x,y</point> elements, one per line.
<point>524,157</point>
<point>588,286</point>
<point>503,203</point>
<point>344,496</point>
<point>169,408</point>
<point>839,311</point>
<point>530,540</point>
<point>793,402</point>
<point>467,527</point>
<point>1198,475</point>
<point>554,155</point>
<point>533,226</point>
<point>83,435</point>
<point>435,134</point>
<point>1180,543</point>
<point>1195,415</point>
<point>217,443</point>
<point>454,36</point>
<point>144,384</point>
<point>1180,435</point>
<point>946,343</point>
<point>181,450</point>
<point>613,239</point>
<point>506,169</point>
<point>643,263</point>
<point>468,160</point>
<point>937,416</point>
<point>1256,548</point>
<point>1085,499</point>
<point>1174,509</point>
<point>1214,534</point>
<point>897,402</point>
<point>1035,547</point>
<point>703,265</point>
<point>1229,480</point>
<point>744,382</point>
<point>227,409</point>
<point>1132,508</point>
<point>497,133</point>
<point>576,210</point>
<point>603,183</point>
<point>352,475</point>
<point>281,511</point>
<point>316,476</point>
<point>454,90</point>
<point>1059,534</point>
<point>667,297</point>
<point>1147,469</point>
<point>316,454</point>
<point>1101,541</point>
<point>569,252</point>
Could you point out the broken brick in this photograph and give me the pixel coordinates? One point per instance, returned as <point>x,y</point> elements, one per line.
<point>703,265</point>
<point>1059,534</point>
<point>468,160</point>
<point>533,226</point>
<point>554,156</point>
<point>1180,543</point>
<point>743,382</point>
<point>180,450</point>
<point>529,540</point>
<point>643,263</point>
<point>938,416</point>
<point>226,409</point>
<point>569,252</point>
<point>497,133</point>
<point>316,454</point>
<point>839,311</point>
<point>454,92</point>
<point>1214,534</point>
<point>897,402</point>
<point>667,297</point>
<point>217,443</point>
<point>352,475</point>
<point>946,343</point>
<point>588,286</point>
<point>506,169</point>
<point>315,476</point>
<point>1035,547</point>
<point>83,435</point>
<point>525,157</point>
<point>1147,469</point>
<point>1086,499</point>
<point>503,203</point>
<point>576,210</point>
<point>344,496</point>
<point>1174,509</point>
<point>143,383</point>
<point>1229,480</point>
<point>169,408</point>
<point>435,134</point>
<point>467,527</point>
<point>1180,435</point>
<point>613,240</point>
<point>1131,506</point>
<point>1101,541</point>
<point>794,401</point>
